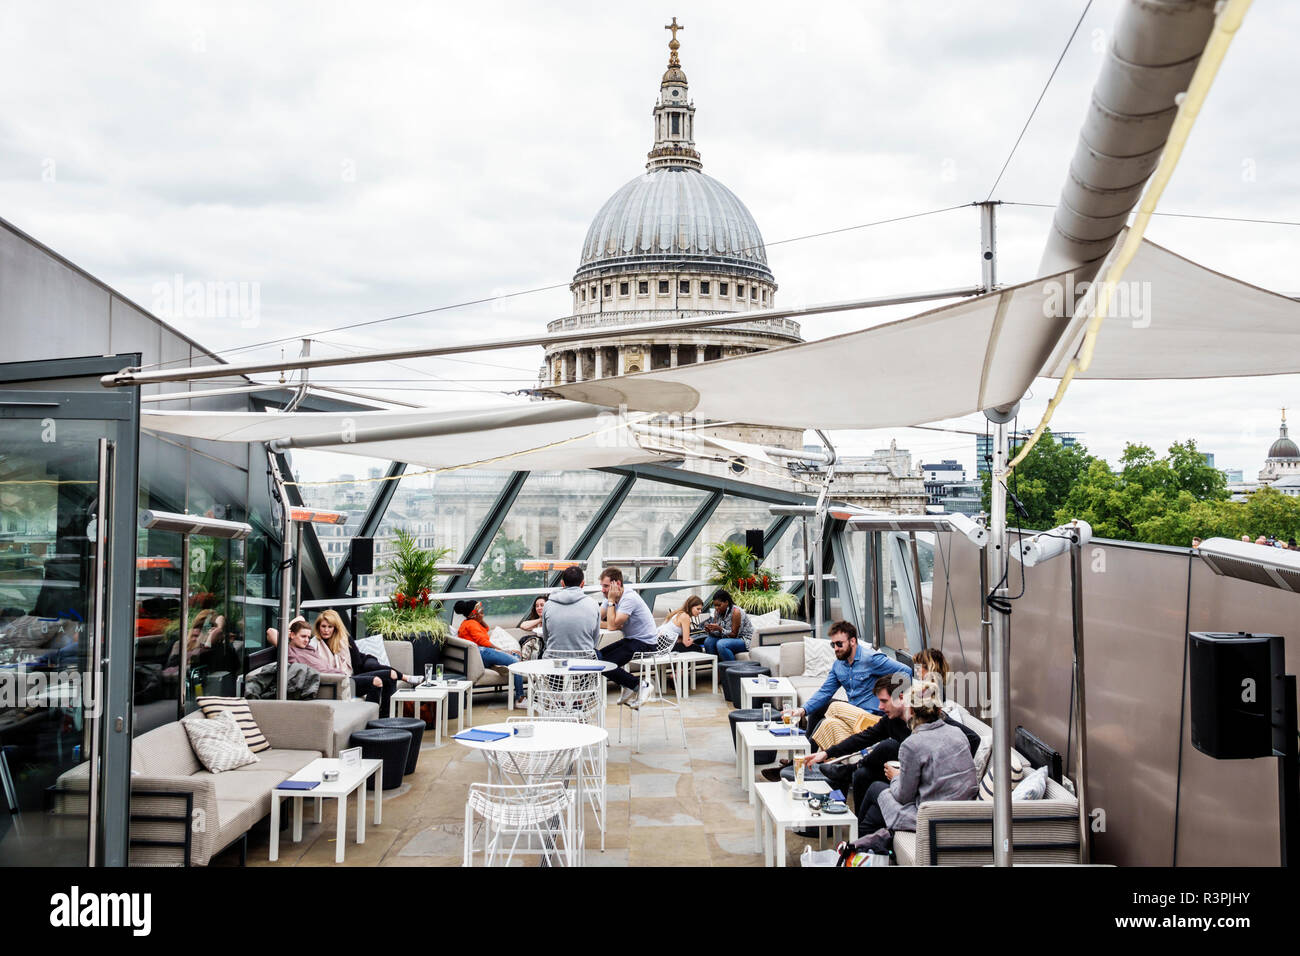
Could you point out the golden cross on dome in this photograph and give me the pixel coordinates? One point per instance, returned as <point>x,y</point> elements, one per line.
<point>674,43</point>
<point>674,26</point>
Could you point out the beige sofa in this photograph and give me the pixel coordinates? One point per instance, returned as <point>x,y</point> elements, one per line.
<point>194,814</point>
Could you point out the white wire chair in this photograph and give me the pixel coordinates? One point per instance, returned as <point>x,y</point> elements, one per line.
<point>650,665</point>
<point>541,810</point>
<point>592,765</point>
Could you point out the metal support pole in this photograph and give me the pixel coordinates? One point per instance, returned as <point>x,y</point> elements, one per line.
<point>287,560</point>
<point>1080,702</point>
<point>819,530</point>
<point>877,610</point>
<point>920,600</point>
<point>1288,774</point>
<point>807,594</point>
<point>1000,649</point>
<point>185,626</point>
<point>986,630</point>
<point>988,245</point>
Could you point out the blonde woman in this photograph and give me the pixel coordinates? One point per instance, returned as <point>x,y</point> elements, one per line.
<point>678,624</point>
<point>932,664</point>
<point>370,678</point>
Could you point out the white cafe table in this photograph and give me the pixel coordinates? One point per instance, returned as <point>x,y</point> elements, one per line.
<point>350,779</point>
<point>541,667</point>
<point>764,686</point>
<point>546,736</point>
<point>750,740</point>
<point>775,812</point>
<point>422,694</point>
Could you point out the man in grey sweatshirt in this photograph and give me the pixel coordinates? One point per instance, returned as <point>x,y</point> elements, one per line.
<point>570,619</point>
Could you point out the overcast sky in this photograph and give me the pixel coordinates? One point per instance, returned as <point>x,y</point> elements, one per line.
<point>359,161</point>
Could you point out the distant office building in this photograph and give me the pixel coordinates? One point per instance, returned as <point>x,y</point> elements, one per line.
<point>963,497</point>
<point>1209,458</point>
<point>1235,476</point>
<point>939,474</point>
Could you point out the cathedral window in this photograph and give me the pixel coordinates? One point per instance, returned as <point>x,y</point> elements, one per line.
<point>677,123</point>
<point>684,286</point>
<point>607,290</point>
<point>704,287</point>
<point>740,289</point>
<point>722,288</point>
<point>584,294</point>
<point>663,286</point>
<point>753,292</point>
<point>593,293</point>
<point>643,287</point>
<point>622,288</point>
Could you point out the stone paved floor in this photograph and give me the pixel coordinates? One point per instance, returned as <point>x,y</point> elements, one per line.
<point>668,806</point>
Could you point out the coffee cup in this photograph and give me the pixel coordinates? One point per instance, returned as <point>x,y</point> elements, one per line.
<point>894,764</point>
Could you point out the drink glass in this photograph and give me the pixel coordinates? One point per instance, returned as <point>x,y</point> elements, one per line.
<point>428,673</point>
<point>787,718</point>
<point>767,716</point>
<point>439,677</point>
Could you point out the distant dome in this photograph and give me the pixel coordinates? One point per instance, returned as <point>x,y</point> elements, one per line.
<point>678,214</point>
<point>1283,448</point>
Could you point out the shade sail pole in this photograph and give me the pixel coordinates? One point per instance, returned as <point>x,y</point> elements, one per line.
<point>1000,642</point>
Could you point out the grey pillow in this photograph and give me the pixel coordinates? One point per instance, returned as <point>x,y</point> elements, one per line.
<point>218,742</point>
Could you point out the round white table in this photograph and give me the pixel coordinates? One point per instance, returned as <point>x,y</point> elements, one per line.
<point>546,736</point>
<point>546,666</point>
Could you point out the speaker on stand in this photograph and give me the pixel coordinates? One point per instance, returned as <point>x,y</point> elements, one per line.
<point>754,541</point>
<point>361,560</point>
<point>1243,706</point>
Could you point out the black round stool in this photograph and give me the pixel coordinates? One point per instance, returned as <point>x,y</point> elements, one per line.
<point>742,671</point>
<point>412,724</point>
<point>390,746</point>
<point>749,716</point>
<point>723,667</point>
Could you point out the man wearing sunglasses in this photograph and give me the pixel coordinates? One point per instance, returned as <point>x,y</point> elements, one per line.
<point>856,670</point>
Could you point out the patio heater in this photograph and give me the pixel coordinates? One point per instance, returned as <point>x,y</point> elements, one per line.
<point>1228,722</point>
<point>294,518</point>
<point>658,561</point>
<point>186,525</point>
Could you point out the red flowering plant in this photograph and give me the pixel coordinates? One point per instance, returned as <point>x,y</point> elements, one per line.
<point>410,611</point>
<point>734,567</point>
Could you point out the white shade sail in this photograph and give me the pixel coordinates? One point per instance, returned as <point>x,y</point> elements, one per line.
<point>1172,319</point>
<point>940,364</point>
<point>527,436</point>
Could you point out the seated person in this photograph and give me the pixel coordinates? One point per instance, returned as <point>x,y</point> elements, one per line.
<point>571,619</point>
<point>532,646</point>
<point>625,611</point>
<point>475,630</point>
<point>934,763</point>
<point>856,669</point>
<point>370,678</point>
<point>678,623</point>
<point>730,630</point>
<point>930,662</point>
<point>534,623</point>
<point>878,744</point>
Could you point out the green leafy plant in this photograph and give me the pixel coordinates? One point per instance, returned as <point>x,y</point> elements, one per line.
<point>734,567</point>
<point>411,611</point>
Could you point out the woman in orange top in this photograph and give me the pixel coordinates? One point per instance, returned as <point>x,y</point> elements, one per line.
<point>474,629</point>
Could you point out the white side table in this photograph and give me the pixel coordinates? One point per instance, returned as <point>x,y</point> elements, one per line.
<point>351,779</point>
<point>775,812</point>
<point>690,662</point>
<point>750,740</point>
<point>421,695</point>
<point>754,688</point>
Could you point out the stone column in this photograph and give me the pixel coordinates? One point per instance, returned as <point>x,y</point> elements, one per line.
<point>600,361</point>
<point>672,356</point>
<point>699,353</point>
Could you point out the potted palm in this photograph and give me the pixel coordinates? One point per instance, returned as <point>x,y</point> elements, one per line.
<point>734,567</point>
<point>411,613</point>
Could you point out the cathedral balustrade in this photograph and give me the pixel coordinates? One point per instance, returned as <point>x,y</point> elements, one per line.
<point>597,320</point>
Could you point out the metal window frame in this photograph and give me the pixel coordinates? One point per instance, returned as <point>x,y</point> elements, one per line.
<point>487,530</point>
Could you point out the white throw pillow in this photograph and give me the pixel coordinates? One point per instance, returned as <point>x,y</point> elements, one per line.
<point>218,742</point>
<point>818,656</point>
<point>503,640</point>
<point>374,644</point>
<point>1019,767</point>
<point>1033,786</point>
<point>770,619</point>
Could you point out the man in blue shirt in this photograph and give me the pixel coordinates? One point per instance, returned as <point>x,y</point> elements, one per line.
<point>856,669</point>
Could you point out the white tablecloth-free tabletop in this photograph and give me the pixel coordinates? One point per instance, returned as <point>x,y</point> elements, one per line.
<point>775,812</point>
<point>423,693</point>
<point>761,687</point>
<point>750,740</point>
<point>546,666</point>
<point>350,779</point>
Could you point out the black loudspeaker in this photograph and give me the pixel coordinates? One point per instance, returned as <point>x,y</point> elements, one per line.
<point>1235,682</point>
<point>361,558</point>
<point>754,541</point>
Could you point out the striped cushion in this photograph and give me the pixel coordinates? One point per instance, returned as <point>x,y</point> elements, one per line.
<point>1018,766</point>
<point>238,708</point>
